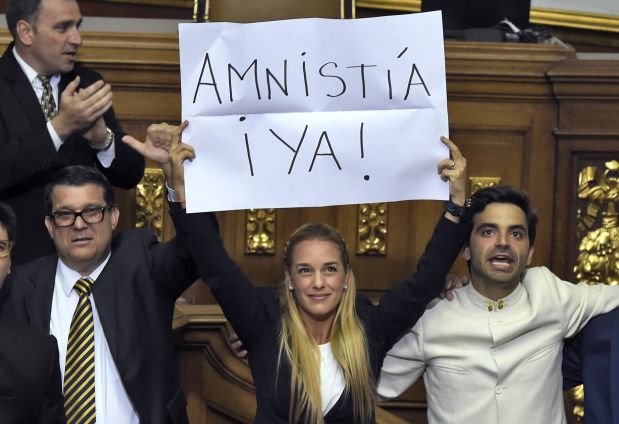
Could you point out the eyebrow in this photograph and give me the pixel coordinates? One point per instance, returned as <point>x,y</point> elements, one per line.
<point>89,205</point>
<point>484,225</point>
<point>69,22</point>
<point>325,264</point>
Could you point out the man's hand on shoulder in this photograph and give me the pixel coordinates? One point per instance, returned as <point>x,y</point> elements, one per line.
<point>453,281</point>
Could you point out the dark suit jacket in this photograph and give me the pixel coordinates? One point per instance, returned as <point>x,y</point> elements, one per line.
<point>28,157</point>
<point>134,296</point>
<point>30,388</point>
<point>592,358</point>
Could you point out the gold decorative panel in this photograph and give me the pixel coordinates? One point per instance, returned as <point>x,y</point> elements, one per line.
<point>578,396</point>
<point>260,232</point>
<point>372,229</point>
<point>598,257</point>
<point>478,183</point>
<point>149,198</point>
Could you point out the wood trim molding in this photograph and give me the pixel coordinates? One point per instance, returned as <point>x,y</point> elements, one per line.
<point>574,19</point>
<point>487,71</point>
<point>587,78</point>
<point>402,5</point>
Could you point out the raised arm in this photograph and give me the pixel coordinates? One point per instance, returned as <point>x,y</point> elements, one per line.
<point>241,302</point>
<point>400,308</point>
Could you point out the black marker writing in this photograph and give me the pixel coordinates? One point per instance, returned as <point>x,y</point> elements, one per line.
<point>324,136</point>
<point>294,158</point>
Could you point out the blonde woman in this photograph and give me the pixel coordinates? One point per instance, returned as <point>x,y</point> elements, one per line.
<point>315,345</point>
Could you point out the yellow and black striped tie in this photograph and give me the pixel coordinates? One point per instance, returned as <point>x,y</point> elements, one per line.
<point>79,372</point>
<point>47,99</point>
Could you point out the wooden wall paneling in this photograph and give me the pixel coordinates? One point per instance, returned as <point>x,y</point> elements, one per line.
<point>269,10</point>
<point>575,152</point>
<point>588,134</point>
<point>402,250</point>
<point>500,98</point>
<point>587,90</point>
<point>169,9</point>
<point>218,387</point>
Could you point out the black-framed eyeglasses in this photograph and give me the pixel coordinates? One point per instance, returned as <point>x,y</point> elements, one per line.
<point>89,216</point>
<point>5,248</point>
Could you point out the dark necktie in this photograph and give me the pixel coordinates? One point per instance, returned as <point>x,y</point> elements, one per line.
<point>79,376</point>
<point>47,99</point>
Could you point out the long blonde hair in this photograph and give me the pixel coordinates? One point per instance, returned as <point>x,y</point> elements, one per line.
<point>348,342</point>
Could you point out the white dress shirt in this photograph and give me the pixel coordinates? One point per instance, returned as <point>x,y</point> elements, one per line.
<point>496,362</point>
<point>105,157</point>
<point>332,381</point>
<point>112,402</point>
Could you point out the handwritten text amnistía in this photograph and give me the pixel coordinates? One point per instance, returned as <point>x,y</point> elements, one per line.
<point>298,78</point>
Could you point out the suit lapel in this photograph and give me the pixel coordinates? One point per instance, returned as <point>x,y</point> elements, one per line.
<point>614,367</point>
<point>39,300</point>
<point>104,292</point>
<point>22,88</point>
<point>65,79</point>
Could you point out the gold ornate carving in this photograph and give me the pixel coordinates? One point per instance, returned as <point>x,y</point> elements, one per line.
<point>598,258</point>
<point>149,195</point>
<point>260,232</point>
<point>372,229</point>
<point>578,396</point>
<point>478,183</point>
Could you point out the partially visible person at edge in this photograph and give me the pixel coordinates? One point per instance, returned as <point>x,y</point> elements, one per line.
<point>493,354</point>
<point>592,358</point>
<point>316,346</point>
<point>53,112</point>
<point>30,389</point>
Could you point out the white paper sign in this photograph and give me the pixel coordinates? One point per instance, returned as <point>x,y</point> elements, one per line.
<point>314,112</point>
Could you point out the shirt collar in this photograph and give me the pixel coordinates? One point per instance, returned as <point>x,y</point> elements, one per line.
<point>31,74</point>
<point>67,276</point>
<point>494,305</point>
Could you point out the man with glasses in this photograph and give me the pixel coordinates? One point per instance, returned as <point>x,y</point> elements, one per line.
<point>30,389</point>
<point>109,301</point>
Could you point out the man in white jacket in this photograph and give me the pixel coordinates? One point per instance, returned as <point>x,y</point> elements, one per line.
<point>493,354</point>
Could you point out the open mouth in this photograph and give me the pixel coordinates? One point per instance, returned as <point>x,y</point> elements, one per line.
<point>502,263</point>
